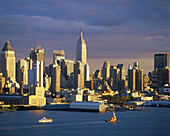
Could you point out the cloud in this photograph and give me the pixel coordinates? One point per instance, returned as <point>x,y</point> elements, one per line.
<point>157,37</point>
<point>93,12</point>
<point>112,28</point>
<point>44,24</point>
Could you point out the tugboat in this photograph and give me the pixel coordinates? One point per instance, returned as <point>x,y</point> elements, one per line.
<point>45,120</point>
<point>112,119</point>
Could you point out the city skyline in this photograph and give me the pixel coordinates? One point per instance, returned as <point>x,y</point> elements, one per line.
<point>114,30</point>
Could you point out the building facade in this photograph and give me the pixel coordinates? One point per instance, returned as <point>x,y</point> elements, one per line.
<point>38,54</point>
<point>67,67</point>
<point>23,66</point>
<point>106,70</point>
<point>86,72</point>
<point>161,60</point>
<point>35,76</point>
<point>114,76</point>
<point>7,62</point>
<point>131,78</point>
<point>55,79</point>
<point>163,77</point>
<point>2,83</point>
<point>81,51</point>
<point>58,55</point>
<point>135,77</point>
<point>79,75</point>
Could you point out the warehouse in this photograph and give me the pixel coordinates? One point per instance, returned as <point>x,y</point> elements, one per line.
<point>88,106</point>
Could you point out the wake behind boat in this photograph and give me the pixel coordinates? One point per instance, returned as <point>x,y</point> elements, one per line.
<point>45,120</point>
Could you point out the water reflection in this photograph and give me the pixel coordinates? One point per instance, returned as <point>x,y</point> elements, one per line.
<point>37,112</point>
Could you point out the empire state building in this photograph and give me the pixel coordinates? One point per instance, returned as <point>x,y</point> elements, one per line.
<point>81,51</point>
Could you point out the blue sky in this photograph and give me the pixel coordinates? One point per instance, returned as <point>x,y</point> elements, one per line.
<point>113,29</point>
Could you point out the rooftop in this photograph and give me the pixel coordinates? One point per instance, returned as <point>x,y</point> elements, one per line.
<point>7,47</point>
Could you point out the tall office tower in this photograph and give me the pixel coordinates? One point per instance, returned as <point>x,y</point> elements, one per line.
<point>114,76</point>
<point>23,66</point>
<point>106,70</point>
<point>136,65</point>
<point>79,75</point>
<point>2,83</point>
<point>58,55</point>
<point>131,78</point>
<point>81,51</point>
<point>50,68</point>
<point>7,62</point>
<point>135,78</point>
<point>154,79</point>
<point>71,83</point>
<point>161,61</point>
<point>122,71</point>
<point>35,76</point>
<point>139,79</point>
<point>55,80</point>
<point>67,67</point>
<point>1,87</point>
<point>146,81</point>
<point>38,54</point>
<point>163,77</point>
<point>47,83</point>
<point>97,74</point>
<point>86,72</point>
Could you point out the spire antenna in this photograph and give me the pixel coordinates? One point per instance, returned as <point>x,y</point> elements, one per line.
<point>38,47</point>
<point>81,33</point>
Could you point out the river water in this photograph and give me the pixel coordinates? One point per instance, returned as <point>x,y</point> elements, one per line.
<point>155,122</point>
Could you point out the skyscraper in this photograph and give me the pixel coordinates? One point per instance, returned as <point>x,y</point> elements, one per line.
<point>81,51</point>
<point>131,78</point>
<point>139,79</point>
<point>97,73</point>
<point>2,83</point>
<point>122,80</point>
<point>58,55</point>
<point>114,76</point>
<point>161,60</point>
<point>67,67</point>
<point>79,75</point>
<point>7,62</point>
<point>161,63</point>
<point>86,72</point>
<point>55,80</point>
<point>38,54</point>
<point>163,77</point>
<point>136,65</point>
<point>135,77</point>
<point>35,76</point>
<point>106,70</point>
<point>23,66</point>
<point>122,71</point>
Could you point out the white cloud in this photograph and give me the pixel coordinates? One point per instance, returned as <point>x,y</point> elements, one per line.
<point>157,37</point>
<point>46,24</point>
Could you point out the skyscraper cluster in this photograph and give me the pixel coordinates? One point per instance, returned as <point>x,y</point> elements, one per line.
<point>32,72</point>
<point>135,77</point>
<point>161,74</point>
<point>62,73</point>
<point>135,80</point>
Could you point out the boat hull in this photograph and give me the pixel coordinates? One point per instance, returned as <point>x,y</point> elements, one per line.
<point>46,121</point>
<point>111,121</point>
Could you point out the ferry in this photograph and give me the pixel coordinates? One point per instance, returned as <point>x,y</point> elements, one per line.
<point>45,120</point>
<point>112,119</point>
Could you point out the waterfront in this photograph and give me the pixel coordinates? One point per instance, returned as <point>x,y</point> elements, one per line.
<point>154,122</point>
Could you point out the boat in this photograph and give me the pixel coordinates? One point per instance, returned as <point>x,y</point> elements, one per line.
<point>112,119</point>
<point>45,120</point>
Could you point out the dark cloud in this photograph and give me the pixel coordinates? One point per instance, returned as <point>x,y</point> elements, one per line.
<point>112,28</point>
